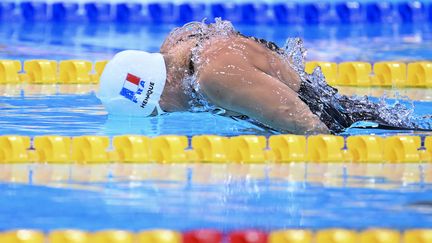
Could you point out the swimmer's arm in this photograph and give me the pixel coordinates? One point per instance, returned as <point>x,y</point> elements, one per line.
<point>275,65</point>
<point>264,98</point>
<point>280,69</point>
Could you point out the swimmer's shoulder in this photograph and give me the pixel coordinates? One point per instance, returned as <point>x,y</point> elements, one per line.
<point>232,46</point>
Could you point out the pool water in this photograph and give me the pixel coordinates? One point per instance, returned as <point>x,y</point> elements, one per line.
<point>231,196</point>
<point>99,41</point>
<point>75,115</point>
<point>225,197</point>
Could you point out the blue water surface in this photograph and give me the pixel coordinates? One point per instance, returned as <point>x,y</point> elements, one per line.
<point>75,115</point>
<point>268,203</point>
<point>238,201</point>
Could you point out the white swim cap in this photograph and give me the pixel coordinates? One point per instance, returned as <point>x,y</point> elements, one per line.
<point>132,83</point>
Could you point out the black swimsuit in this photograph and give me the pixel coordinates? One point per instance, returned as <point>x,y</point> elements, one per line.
<point>339,112</point>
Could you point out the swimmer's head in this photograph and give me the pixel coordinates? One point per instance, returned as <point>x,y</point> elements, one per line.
<point>132,83</point>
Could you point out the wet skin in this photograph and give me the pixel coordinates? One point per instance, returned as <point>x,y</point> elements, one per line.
<point>241,76</point>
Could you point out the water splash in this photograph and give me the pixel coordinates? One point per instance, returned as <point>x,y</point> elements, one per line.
<point>396,115</point>
<point>295,54</point>
<point>221,29</point>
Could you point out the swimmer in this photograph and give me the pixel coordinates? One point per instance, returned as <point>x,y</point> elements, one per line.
<point>214,68</point>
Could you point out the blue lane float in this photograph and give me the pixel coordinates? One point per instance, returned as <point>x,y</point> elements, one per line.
<point>350,12</point>
<point>228,11</point>
<point>129,12</point>
<point>191,12</point>
<point>162,12</point>
<point>287,13</point>
<point>318,12</point>
<point>98,12</point>
<point>34,11</point>
<point>65,12</point>
<point>412,11</point>
<point>255,13</point>
<point>379,12</point>
<point>7,10</point>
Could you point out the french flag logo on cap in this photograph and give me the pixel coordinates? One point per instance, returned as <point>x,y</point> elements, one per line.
<point>132,86</point>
